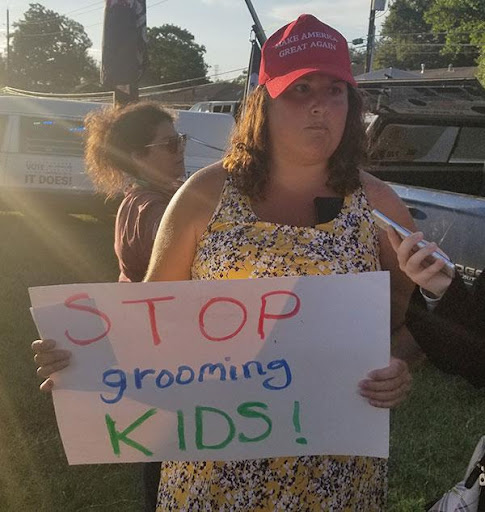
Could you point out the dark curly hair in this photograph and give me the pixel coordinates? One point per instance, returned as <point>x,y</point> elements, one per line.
<point>112,134</point>
<point>248,154</point>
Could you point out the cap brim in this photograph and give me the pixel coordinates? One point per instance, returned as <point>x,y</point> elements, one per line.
<point>278,85</point>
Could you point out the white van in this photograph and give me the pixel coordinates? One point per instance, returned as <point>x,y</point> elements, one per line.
<point>218,107</point>
<point>41,150</point>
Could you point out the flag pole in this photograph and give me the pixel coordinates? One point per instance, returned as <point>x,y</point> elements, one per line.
<point>253,69</point>
<point>255,58</point>
<point>257,27</point>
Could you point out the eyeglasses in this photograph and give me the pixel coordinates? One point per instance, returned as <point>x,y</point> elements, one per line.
<point>173,144</point>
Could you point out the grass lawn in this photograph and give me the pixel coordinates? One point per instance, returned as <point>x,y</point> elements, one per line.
<point>432,435</point>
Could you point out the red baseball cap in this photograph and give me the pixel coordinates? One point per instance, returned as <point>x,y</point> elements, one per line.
<point>304,46</point>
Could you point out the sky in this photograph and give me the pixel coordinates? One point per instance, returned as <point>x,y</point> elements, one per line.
<point>222,26</point>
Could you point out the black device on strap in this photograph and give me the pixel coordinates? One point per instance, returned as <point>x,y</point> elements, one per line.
<point>327,208</point>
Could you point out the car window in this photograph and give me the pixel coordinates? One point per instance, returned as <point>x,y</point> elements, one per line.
<point>200,107</point>
<point>415,143</point>
<point>470,147</point>
<point>49,136</point>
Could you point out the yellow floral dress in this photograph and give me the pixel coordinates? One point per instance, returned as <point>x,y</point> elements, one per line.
<point>237,245</point>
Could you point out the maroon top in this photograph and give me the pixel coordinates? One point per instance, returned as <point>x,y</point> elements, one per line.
<point>136,226</point>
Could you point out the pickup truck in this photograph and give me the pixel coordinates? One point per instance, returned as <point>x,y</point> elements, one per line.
<point>427,138</point>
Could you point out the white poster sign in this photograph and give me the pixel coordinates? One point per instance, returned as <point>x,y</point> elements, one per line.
<point>218,370</point>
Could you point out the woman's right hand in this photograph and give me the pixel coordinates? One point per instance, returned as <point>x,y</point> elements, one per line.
<point>49,360</point>
<point>413,264</point>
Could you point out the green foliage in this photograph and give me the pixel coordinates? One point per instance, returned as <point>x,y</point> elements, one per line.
<point>173,56</point>
<point>464,23</point>
<point>410,38</point>
<point>432,434</point>
<point>481,69</point>
<point>49,52</point>
<point>241,79</point>
<point>357,59</point>
<point>3,76</point>
<point>34,474</point>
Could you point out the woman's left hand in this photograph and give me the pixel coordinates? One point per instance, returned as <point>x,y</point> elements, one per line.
<point>387,387</point>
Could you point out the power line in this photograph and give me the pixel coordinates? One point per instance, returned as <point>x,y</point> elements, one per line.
<point>395,34</point>
<point>103,94</point>
<point>398,34</point>
<point>85,7</point>
<point>47,20</point>
<point>99,5</point>
<point>149,87</point>
<point>43,34</point>
<point>401,43</point>
<point>157,3</point>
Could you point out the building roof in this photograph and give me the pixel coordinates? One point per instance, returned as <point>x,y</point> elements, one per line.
<point>387,73</point>
<point>449,72</point>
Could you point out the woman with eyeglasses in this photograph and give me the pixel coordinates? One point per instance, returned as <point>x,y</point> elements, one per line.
<point>135,150</point>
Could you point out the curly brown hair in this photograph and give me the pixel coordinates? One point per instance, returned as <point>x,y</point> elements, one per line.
<point>248,154</point>
<point>112,134</point>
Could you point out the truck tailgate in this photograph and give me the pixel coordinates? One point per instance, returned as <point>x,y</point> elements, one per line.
<point>456,222</point>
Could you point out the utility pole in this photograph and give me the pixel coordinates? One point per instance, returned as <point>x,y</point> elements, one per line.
<point>370,38</point>
<point>7,62</point>
<point>375,5</point>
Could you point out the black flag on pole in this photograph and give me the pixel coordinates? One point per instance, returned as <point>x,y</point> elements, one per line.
<point>253,70</point>
<point>124,55</point>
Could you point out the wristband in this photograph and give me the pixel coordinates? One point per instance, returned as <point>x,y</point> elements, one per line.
<point>431,302</point>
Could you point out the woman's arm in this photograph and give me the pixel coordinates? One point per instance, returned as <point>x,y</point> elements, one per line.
<point>183,223</point>
<point>383,198</point>
<point>388,387</point>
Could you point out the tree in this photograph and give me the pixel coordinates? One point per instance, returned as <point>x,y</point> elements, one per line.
<point>408,39</point>
<point>173,56</point>
<point>464,24</point>
<point>357,59</point>
<point>2,71</point>
<point>241,79</point>
<point>49,52</point>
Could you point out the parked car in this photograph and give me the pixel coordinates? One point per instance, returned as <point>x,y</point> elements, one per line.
<point>218,107</point>
<point>427,138</point>
<point>41,152</point>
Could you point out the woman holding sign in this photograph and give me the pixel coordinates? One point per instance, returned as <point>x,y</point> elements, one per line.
<point>289,200</point>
